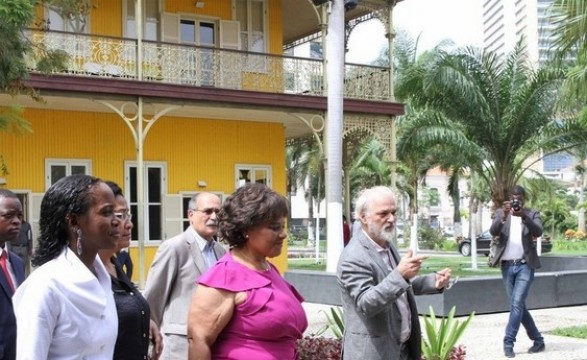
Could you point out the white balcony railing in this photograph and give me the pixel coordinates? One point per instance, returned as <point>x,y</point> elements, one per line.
<point>203,66</point>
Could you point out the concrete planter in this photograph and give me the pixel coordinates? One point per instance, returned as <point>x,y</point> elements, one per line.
<point>555,285</point>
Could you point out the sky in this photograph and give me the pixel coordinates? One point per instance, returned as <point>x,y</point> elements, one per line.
<point>433,20</point>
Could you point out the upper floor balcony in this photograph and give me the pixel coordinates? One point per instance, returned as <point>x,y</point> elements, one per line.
<point>205,67</point>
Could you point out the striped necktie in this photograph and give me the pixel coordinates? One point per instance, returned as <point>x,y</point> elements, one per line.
<point>4,266</point>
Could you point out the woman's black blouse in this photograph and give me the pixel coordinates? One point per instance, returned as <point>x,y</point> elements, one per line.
<point>133,318</point>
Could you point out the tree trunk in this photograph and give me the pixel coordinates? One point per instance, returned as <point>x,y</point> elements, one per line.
<point>581,217</point>
<point>456,200</point>
<point>310,199</point>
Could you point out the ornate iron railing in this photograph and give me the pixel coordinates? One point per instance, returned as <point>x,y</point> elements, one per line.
<point>103,56</point>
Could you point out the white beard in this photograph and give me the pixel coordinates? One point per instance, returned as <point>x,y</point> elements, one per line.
<point>381,233</point>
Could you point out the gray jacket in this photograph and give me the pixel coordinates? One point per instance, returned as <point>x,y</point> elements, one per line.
<point>369,291</point>
<point>171,281</point>
<point>531,228</point>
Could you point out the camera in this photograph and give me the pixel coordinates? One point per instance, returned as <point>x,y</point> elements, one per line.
<point>516,205</point>
<point>350,4</point>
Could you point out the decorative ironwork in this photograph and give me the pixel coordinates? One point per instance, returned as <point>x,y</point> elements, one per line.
<point>380,127</point>
<point>204,66</point>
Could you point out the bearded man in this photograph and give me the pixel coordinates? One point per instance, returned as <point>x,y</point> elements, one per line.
<point>378,287</point>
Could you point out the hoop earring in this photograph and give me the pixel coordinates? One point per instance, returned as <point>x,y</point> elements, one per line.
<point>78,244</point>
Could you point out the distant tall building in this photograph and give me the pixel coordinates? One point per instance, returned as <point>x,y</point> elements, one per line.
<point>505,22</point>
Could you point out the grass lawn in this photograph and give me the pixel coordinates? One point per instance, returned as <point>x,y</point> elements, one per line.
<point>579,332</point>
<point>460,265</point>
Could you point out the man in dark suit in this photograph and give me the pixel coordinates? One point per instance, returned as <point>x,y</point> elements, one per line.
<point>516,227</point>
<point>378,287</point>
<point>23,245</point>
<point>178,264</point>
<point>11,271</point>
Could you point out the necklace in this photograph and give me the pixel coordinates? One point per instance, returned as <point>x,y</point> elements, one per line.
<point>255,265</point>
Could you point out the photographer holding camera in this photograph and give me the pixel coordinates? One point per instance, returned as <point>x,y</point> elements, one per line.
<point>516,226</point>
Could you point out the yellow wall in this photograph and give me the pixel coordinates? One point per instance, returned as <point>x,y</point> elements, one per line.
<point>106,17</point>
<point>193,149</point>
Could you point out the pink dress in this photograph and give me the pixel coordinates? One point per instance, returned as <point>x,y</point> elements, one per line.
<point>267,325</point>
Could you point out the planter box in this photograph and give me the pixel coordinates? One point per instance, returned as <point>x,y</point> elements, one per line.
<point>483,295</point>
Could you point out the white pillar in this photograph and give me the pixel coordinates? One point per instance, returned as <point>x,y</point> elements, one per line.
<point>334,127</point>
<point>140,143</point>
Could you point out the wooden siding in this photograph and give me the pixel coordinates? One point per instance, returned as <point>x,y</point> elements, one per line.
<point>194,149</point>
<point>218,8</point>
<point>106,18</point>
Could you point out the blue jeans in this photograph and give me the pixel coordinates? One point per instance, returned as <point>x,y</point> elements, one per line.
<point>518,279</point>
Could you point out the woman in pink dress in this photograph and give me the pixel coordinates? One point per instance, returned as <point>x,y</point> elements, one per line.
<point>242,307</point>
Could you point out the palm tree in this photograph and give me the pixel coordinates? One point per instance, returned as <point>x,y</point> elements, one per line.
<point>570,18</point>
<point>296,160</point>
<point>306,170</point>
<point>581,172</point>
<point>495,113</point>
<point>369,167</point>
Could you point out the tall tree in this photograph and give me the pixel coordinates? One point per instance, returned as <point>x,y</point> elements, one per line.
<point>570,19</point>
<point>15,15</point>
<point>306,170</point>
<point>498,113</point>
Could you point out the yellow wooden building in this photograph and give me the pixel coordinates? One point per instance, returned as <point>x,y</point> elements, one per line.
<point>172,97</point>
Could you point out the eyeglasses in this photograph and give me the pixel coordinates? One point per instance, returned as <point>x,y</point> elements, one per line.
<point>123,216</point>
<point>11,215</point>
<point>208,211</point>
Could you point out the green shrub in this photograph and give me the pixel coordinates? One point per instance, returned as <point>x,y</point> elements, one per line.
<point>567,245</point>
<point>441,338</point>
<point>429,238</point>
<point>449,245</point>
<point>335,322</point>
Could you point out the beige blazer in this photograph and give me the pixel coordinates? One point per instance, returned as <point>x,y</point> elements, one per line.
<point>171,281</point>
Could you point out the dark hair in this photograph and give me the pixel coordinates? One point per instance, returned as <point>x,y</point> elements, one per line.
<point>5,193</point>
<point>250,206</point>
<point>518,190</point>
<point>70,195</point>
<point>115,188</point>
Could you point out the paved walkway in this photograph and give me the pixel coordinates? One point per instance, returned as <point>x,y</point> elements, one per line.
<point>483,337</point>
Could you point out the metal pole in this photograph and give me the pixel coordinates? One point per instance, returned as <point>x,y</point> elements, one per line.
<point>335,39</point>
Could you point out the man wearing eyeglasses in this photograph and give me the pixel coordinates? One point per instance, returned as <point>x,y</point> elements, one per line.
<point>178,264</point>
<point>11,271</point>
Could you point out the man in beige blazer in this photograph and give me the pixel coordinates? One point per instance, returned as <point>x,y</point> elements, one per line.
<point>178,264</point>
